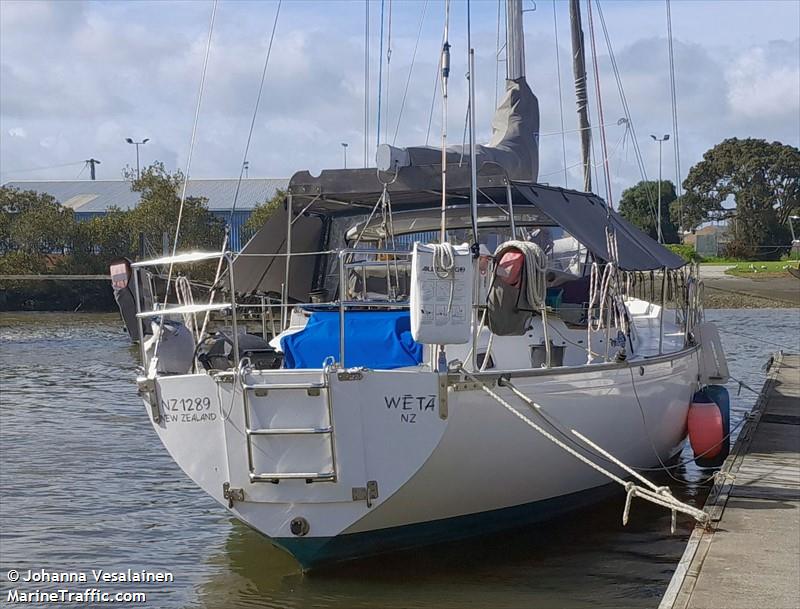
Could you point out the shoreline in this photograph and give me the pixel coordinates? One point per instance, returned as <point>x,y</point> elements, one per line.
<point>736,292</point>
<point>721,292</point>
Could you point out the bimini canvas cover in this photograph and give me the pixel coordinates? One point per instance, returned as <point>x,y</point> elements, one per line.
<point>256,271</point>
<point>585,216</point>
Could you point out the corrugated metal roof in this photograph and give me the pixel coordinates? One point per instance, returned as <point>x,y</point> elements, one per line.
<point>87,196</point>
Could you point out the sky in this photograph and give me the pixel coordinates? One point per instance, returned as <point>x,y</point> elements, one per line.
<point>77,78</point>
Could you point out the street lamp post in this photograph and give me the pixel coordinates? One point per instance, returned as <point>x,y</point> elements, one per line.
<point>658,220</point>
<point>137,144</point>
<point>344,147</point>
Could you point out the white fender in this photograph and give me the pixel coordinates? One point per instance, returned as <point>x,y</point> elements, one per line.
<point>713,369</point>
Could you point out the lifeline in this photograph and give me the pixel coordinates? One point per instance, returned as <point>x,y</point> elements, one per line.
<point>98,575</point>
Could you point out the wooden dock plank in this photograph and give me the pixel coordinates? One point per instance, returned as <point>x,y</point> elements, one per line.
<point>753,561</point>
<point>750,556</point>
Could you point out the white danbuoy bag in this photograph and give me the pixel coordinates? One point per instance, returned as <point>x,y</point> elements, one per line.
<point>441,294</point>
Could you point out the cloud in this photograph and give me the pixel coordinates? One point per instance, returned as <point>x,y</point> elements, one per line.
<point>78,78</point>
<point>763,84</point>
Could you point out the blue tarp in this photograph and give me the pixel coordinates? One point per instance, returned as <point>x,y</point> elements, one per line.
<point>380,340</point>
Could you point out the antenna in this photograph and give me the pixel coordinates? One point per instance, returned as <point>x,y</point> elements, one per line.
<point>91,163</point>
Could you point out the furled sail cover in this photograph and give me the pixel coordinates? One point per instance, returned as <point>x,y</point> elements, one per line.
<point>585,216</point>
<point>514,144</point>
<point>256,270</point>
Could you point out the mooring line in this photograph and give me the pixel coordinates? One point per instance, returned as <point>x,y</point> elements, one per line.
<point>660,495</point>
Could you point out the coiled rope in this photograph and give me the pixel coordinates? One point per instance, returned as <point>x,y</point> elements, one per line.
<point>535,285</point>
<point>604,292</point>
<point>535,270</point>
<point>444,264</point>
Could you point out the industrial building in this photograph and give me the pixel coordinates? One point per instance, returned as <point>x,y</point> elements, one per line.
<point>89,198</point>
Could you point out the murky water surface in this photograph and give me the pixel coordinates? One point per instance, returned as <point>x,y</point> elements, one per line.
<point>85,484</point>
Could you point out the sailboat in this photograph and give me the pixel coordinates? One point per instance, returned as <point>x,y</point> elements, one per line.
<point>447,348</point>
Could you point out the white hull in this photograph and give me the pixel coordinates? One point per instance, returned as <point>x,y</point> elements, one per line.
<point>430,466</point>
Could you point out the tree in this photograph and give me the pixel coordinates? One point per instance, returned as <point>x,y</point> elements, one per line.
<point>639,203</point>
<point>692,210</point>
<point>112,235</point>
<point>159,206</point>
<point>760,178</point>
<point>34,223</point>
<point>98,241</point>
<point>262,212</point>
<point>39,235</point>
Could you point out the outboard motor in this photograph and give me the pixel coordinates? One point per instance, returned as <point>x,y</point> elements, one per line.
<point>176,349</point>
<point>120,271</point>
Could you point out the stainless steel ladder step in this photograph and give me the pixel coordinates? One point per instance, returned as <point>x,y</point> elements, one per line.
<point>286,386</point>
<point>289,431</point>
<point>307,476</point>
<point>313,388</point>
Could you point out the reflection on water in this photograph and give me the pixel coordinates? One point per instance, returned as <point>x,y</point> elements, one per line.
<point>85,484</point>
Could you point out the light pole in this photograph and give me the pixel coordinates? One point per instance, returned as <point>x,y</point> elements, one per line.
<point>137,144</point>
<point>246,169</point>
<point>658,220</point>
<point>344,147</point>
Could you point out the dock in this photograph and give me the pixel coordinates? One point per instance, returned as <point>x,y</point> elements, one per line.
<point>749,556</point>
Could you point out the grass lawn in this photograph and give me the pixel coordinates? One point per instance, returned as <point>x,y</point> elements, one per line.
<point>756,268</point>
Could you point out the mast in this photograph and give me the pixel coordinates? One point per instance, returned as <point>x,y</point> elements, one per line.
<point>515,41</point>
<point>581,96</point>
<point>445,76</point>
<point>473,160</point>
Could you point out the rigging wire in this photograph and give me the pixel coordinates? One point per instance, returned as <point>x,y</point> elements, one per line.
<point>410,70</point>
<point>674,97</point>
<point>604,145</point>
<point>366,82</point>
<point>255,110</point>
<point>188,168</point>
<point>388,72</point>
<point>497,51</point>
<point>464,136</point>
<point>613,153</point>
<point>467,116</point>
<point>609,124</point>
<point>191,144</point>
<point>380,77</point>
<point>30,169</point>
<point>437,76</point>
<point>626,109</point>
<point>244,161</point>
<point>591,143</point>
<point>560,96</point>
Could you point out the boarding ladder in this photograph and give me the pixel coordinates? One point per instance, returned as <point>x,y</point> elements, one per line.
<point>312,389</point>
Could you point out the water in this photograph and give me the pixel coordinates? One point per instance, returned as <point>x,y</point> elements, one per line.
<point>86,484</point>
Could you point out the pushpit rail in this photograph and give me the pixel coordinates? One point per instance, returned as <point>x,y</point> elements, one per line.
<point>392,261</point>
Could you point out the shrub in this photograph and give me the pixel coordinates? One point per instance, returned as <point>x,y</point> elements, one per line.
<point>687,252</point>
